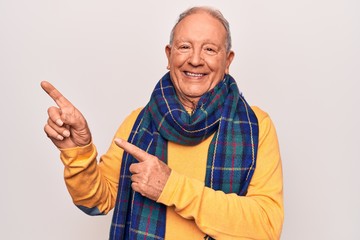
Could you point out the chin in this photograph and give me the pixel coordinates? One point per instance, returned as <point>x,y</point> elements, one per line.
<point>194,94</point>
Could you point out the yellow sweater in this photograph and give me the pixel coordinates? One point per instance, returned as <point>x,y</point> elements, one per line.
<point>193,210</point>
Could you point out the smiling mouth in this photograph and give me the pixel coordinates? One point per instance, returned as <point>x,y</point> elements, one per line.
<point>190,74</point>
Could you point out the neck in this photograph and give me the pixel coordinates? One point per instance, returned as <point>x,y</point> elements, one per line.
<point>188,103</point>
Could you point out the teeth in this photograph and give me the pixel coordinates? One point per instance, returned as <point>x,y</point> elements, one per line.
<point>194,74</point>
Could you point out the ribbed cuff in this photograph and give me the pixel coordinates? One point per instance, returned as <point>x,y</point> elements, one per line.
<point>68,155</point>
<point>170,188</point>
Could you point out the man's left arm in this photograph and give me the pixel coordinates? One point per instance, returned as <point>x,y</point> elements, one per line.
<point>258,215</point>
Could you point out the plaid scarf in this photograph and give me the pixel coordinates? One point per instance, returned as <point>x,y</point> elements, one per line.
<point>231,155</point>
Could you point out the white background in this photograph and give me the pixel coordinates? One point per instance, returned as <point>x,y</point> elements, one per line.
<point>297,60</point>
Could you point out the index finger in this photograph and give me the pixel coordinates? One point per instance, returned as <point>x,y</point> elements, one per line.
<point>133,150</point>
<point>60,100</point>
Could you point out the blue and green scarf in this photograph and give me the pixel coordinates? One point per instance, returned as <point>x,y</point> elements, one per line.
<point>231,155</point>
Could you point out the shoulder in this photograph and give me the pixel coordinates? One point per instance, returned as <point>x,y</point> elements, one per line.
<point>266,126</point>
<point>260,114</point>
<point>126,126</point>
<point>133,115</point>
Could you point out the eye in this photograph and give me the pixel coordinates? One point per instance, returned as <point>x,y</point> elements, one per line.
<point>184,47</point>
<point>210,50</point>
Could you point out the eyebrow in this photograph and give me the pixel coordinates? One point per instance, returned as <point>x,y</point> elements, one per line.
<point>206,41</point>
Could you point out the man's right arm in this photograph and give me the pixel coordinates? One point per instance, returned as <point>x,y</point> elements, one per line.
<point>92,185</point>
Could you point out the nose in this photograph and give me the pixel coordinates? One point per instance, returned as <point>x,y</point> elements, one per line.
<point>196,58</point>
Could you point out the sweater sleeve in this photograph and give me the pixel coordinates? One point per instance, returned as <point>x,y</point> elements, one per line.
<point>258,215</point>
<point>92,184</point>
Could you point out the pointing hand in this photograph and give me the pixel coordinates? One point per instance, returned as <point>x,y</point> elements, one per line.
<point>66,126</point>
<point>149,175</point>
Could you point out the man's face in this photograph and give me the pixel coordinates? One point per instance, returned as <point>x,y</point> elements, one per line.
<point>197,58</point>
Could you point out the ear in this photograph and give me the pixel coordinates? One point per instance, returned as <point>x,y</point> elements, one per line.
<point>230,56</point>
<point>168,54</point>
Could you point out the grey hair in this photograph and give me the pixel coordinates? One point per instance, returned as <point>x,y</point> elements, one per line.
<point>211,11</point>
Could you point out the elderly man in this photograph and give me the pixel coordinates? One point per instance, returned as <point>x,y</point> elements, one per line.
<point>197,161</point>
